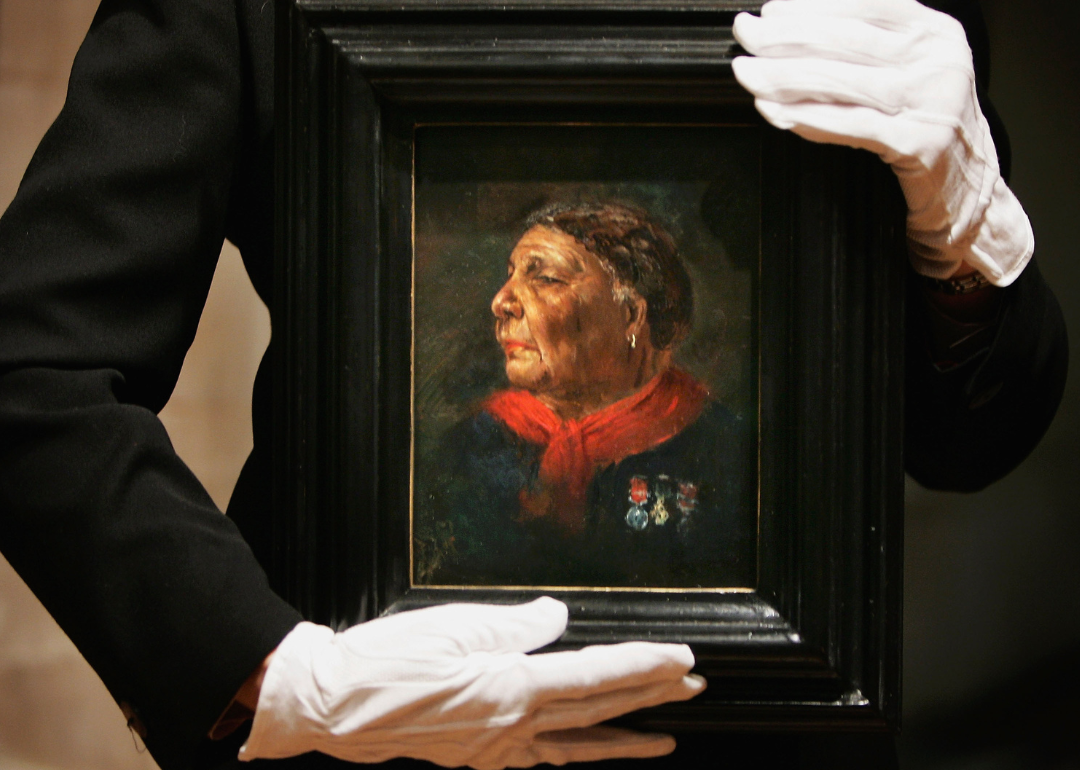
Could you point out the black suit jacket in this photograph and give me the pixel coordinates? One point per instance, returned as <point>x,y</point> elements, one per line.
<point>163,149</point>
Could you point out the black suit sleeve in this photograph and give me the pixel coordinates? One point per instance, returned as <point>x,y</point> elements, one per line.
<point>970,425</point>
<point>106,256</point>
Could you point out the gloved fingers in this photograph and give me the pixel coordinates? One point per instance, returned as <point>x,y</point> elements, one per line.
<point>887,14</point>
<point>604,668</point>
<point>564,714</point>
<point>459,629</point>
<point>845,40</point>
<point>508,628</point>
<point>791,81</point>
<point>589,744</point>
<point>592,744</point>
<point>859,127</point>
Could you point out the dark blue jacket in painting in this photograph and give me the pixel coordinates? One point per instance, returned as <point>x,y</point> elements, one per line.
<point>679,515</point>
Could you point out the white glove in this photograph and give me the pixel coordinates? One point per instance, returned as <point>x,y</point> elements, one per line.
<point>895,78</point>
<point>453,685</point>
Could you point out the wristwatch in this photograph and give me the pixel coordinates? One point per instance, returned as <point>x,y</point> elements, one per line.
<point>971,282</point>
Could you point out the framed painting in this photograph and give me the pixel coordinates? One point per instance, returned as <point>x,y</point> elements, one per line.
<point>575,422</point>
<point>562,315</point>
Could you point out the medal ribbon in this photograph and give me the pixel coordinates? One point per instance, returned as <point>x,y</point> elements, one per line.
<point>575,449</point>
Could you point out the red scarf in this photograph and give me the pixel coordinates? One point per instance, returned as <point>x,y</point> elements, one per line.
<point>575,449</point>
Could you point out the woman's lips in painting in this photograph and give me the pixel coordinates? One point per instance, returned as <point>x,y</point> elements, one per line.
<point>513,346</point>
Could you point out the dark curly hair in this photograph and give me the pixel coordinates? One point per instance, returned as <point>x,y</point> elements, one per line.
<point>638,252</point>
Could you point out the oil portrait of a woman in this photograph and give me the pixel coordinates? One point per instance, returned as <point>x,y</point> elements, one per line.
<point>601,462</point>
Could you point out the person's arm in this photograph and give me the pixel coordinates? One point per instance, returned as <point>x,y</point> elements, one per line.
<point>985,374</point>
<point>985,366</point>
<point>106,255</point>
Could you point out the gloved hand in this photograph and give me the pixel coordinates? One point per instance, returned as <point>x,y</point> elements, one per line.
<point>453,685</point>
<point>895,78</point>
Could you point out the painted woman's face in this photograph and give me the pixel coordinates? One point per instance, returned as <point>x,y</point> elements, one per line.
<point>558,320</point>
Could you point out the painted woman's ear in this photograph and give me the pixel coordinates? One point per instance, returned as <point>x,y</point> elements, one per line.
<point>637,315</point>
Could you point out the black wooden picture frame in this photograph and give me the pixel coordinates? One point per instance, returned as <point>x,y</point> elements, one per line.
<point>816,642</point>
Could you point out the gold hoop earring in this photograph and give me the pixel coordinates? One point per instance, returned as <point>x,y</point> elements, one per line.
<point>633,341</point>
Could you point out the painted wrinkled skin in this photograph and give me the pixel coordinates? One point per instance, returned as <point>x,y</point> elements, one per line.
<point>571,336</point>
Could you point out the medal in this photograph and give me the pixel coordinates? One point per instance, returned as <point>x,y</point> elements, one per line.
<point>687,502</point>
<point>664,491</point>
<point>659,512</point>
<point>637,518</point>
<point>687,498</point>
